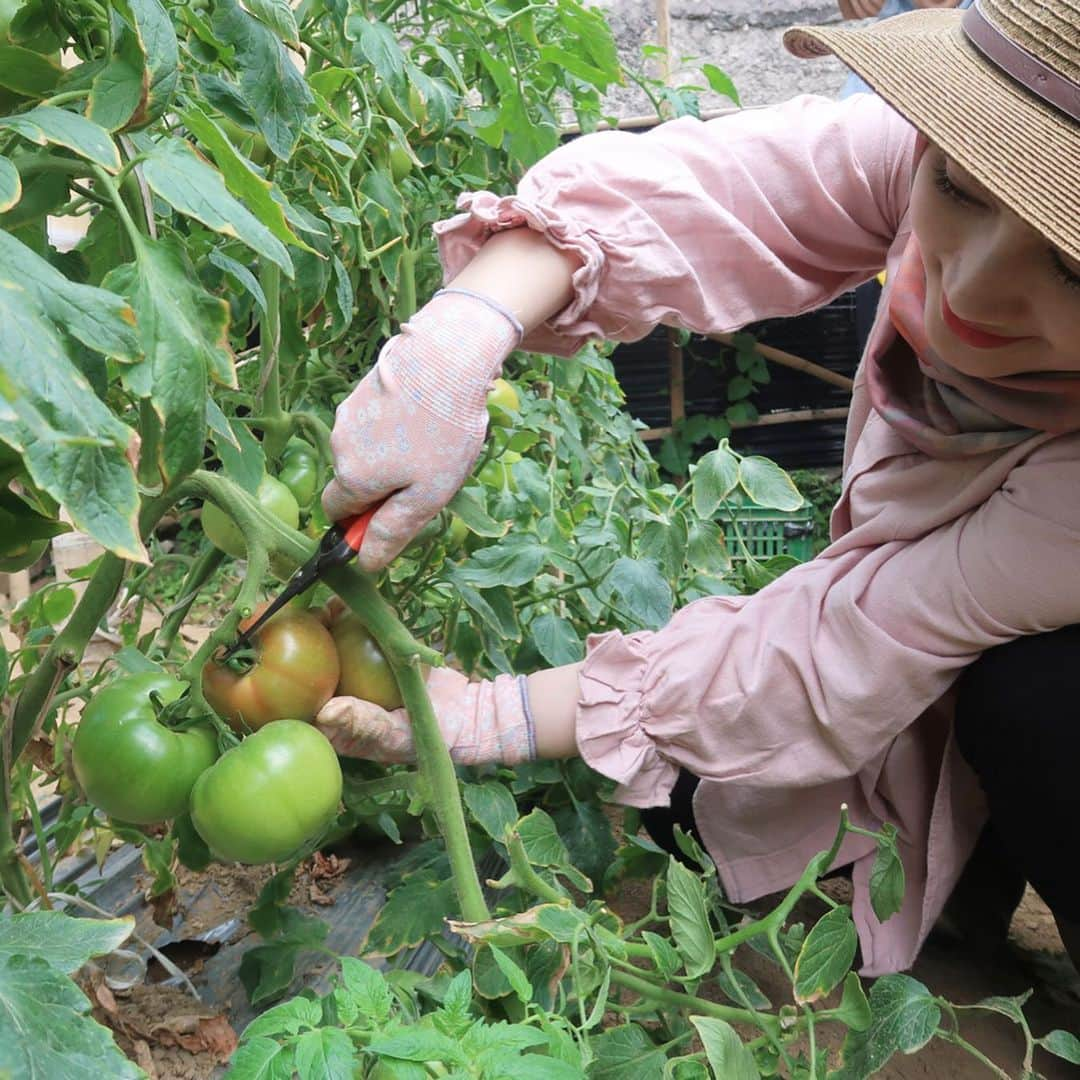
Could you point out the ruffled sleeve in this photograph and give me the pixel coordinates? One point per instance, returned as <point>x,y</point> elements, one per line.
<point>707,225</point>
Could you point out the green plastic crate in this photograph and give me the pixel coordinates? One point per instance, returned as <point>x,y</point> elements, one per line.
<point>768,532</point>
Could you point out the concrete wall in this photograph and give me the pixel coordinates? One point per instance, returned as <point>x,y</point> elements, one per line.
<point>742,37</point>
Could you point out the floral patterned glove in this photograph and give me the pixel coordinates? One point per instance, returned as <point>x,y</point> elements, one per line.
<point>480,722</point>
<point>414,426</point>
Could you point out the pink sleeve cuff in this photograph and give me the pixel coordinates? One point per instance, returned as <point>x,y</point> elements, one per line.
<point>484,214</point>
<point>611,718</point>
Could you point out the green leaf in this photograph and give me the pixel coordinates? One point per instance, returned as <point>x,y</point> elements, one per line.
<point>826,956</point>
<point>415,910</point>
<point>278,15</point>
<point>28,72</point>
<point>493,807</point>
<point>325,1054</point>
<point>73,447</point>
<point>63,942</point>
<point>10,185</point>
<point>727,1055</point>
<point>45,1029</point>
<point>664,542</point>
<point>664,954</point>
<point>706,549</point>
<point>768,485</point>
<point>513,562</point>
<point>241,453</point>
<point>738,987</point>
<point>184,334</point>
<point>47,124</point>
<point>472,512</point>
<point>98,318</point>
<point>573,62</point>
<point>720,82</point>
<point>688,917</point>
<point>417,1044</point>
<point>378,45</point>
<point>151,22</point>
<point>715,477</point>
<point>272,88</point>
<point>261,1059</point>
<point>904,1018</point>
<point>624,1052</point>
<point>289,1018</point>
<point>586,831</point>
<point>541,839</point>
<point>514,975</point>
<point>366,988</point>
<point>1062,1043</point>
<point>556,639</point>
<point>122,87</point>
<point>887,877</point>
<point>58,604</point>
<point>641,590</point>
<point>256,192</point>
<point>241,275</point>
<point>176,173</point>
<point>854,1009</point>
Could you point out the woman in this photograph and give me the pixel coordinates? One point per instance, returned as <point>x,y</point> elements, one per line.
<point>903,670</point>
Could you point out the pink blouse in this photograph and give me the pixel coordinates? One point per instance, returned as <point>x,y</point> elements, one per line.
<point>831,685</point>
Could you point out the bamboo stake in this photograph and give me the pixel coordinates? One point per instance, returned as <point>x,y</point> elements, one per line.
<point>787,416</point>
<point>790,360</point>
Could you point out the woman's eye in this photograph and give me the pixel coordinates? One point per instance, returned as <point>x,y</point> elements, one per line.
<point>1063,272</point>
<point>947,187</point>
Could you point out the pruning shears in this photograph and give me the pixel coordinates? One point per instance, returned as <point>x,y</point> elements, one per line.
<point>339,544</point>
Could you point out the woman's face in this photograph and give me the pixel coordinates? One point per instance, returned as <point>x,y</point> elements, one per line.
<point>1000,299</point>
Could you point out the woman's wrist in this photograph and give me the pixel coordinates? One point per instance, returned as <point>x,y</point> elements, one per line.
<point>553,698</point>
<point>522,272</point>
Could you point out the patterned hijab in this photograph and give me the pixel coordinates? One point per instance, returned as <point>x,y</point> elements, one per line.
<point>944,412</point>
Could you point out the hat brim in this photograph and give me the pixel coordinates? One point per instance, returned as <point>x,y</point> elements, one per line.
<point>1022,150</point>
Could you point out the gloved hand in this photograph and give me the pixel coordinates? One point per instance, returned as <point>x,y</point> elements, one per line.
<point>485,721</point>
<point>414,426</point>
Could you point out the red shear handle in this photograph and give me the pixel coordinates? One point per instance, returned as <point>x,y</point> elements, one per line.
<point>356,527</point>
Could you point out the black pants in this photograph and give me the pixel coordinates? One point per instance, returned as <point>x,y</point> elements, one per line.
<point>1018,726</point>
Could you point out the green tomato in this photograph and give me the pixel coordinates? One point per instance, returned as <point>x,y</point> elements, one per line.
<point>401,162</point>
<point>497,472</point>
<point>299,472</point>
<point>502,400</point>
<point>456,534</point>
<point>222,531</point>
<point>130,764</point>
<point>266,798</point>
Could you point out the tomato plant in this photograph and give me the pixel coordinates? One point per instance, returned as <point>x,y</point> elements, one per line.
<point>263,800</point>
<point>292,674</point>
<point>131,765</point>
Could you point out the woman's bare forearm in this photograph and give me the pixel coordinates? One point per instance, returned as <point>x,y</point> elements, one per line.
<point>523,272</point>
<point>553,697</point>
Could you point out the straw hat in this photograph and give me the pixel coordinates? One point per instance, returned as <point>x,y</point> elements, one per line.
<point>996,86</point>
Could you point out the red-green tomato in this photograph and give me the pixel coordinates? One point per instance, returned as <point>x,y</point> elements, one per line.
<point>266,798</point>
<point>502,400</point>
<point>294,675</point>
<point>365,671</point>
<point>271,495</point>
<point>130,764</point>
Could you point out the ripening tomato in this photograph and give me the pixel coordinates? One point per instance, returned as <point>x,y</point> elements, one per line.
<point>222,531</point>
<point>365,671</point>
<point>294,673</point>
<point>264,799</point>
<point>502,400</point>
<point>130,764</point>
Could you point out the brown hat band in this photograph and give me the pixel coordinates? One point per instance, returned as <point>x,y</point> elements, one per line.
<point>1041,79</point>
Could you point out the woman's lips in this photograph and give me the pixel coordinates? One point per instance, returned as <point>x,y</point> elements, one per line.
<point>972,335</point>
